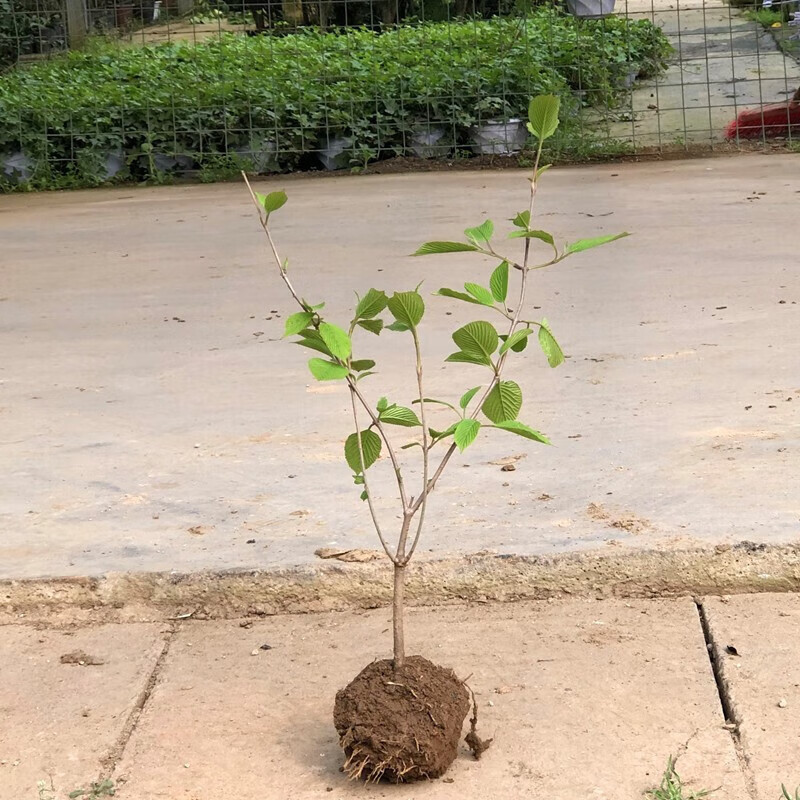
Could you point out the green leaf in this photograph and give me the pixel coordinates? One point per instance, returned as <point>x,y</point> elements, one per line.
<point>297,322</point>
<point>516,338</point>
<point>326,370</point>
<point>336,340</point>
<point>272,201</point>
<point>481,234</point>
<point>438,435</point>
<point>457,296</point>
<point>523,430</point>
<point>364,495</point>
<point>383,404</point>
<point>483,296</point>
<point>371,304</point>
<point>434,400</point>
<point>503,402</point>
<point>542,170</point>
<point>372,325</point>
<point>523,219</point>
<point>362,365</point>
<point>543,115</point>
<point>312,339</point>
<point>466,432</point>
<point>542,235</point>
<point>434,248</point>
<point>370,444</point>
<point>477,338</point>
<point>469,358</point>
<point>498,283</point>
<point>588,244</point>
<point>550,346</point>
<point>397,326</point>
<point>467,396</point>
<point>407,308</point>
<point>399,415</point>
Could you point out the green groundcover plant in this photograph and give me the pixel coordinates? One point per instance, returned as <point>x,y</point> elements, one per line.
<point>269,103</point>
<point>492,406</point>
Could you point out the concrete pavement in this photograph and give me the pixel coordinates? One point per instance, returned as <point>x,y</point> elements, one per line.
<point>153,421</point>
<point>584,698</point>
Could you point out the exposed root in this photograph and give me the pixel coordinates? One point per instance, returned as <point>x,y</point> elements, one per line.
<point>477,745</point>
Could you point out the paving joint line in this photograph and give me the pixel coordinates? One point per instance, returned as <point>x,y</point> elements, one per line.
<point>109,762</point>
<point>733,720</point>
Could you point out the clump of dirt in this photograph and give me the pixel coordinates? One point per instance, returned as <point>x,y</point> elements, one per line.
<point>401,725</point>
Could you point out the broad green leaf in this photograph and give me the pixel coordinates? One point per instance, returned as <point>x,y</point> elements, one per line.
<point>467,396</point>
<point>312,339</point>
<point>383,404</point>
<point>407,308</point>
<point>371,304</point>
<point>457,296</point>
<point>364,495</point>
<point>523,219</point>
<point>362,365</point>
<point>549,345</point>
<point>465,433</point>
<point>433,248</point>
<point>543,115</point>
<point>521,429</point>
<point>503,402</point>
<point>478,338</point>
<point>542,235</point>
<point>372,325</point>
<point>326,370</point>
<point>371,445</point>
<point>437,435</point>
<point>483,296</point>
<point>516,338</point>
<point>336,340</point>
<point>272,201</point>
<point>470,358</point>
<point>588,244</point>
<point>297,322</point>
<point>399,415</point>
<point>397,326</point>
<point>498,283</point>
<point>481,234</point>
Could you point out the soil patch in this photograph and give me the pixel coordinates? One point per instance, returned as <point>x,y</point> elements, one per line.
<point>401,725</point>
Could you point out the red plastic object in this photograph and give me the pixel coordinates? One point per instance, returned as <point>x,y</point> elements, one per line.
<point>774,120</point>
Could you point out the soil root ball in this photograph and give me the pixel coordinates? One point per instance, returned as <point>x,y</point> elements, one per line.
<point>401,725</point>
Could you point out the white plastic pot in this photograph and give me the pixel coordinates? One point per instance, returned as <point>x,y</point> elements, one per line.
<point>425,143</point>
<point>334,156</point>
<point>261,153</point>
<point>499,138</point>
<point>17,167</point>
<point>590,9</point>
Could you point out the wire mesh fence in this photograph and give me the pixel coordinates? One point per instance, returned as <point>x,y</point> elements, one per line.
<point>107,90</point>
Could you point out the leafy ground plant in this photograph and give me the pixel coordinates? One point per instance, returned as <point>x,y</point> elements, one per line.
<point>785,793</point>
<point>401,719</point>
<point>672,788</point>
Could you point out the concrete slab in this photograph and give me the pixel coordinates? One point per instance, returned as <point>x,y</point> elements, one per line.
<point>762,682</point>
<point>584,699</point>
<point>61,720</point>
<point>153,420</point>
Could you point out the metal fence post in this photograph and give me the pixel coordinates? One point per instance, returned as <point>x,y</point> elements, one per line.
<point>76,23</point>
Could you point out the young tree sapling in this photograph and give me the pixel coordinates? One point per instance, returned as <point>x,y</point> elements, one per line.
<point>387,750</point>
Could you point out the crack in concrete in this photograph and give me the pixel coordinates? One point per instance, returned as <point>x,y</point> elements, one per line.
<point>733,720</point>
<point>109,762</point>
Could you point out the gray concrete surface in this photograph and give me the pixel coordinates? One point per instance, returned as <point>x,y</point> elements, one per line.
<point>62,721</point>
<point>762,682</point>
<point>721,64</point>
<point>220,717</point>
<point>144,392</point>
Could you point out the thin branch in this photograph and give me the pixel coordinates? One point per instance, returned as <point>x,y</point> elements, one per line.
<point>425,460</point>
<point>372,512</point>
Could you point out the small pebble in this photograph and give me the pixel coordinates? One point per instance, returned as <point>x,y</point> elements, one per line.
<point>782,703</point>
<point>255,652</point>
<point>196,445</point>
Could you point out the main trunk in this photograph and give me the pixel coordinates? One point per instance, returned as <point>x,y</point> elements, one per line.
<point>398,609</point>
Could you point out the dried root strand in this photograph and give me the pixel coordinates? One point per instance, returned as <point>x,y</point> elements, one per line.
<point>477,745</point>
